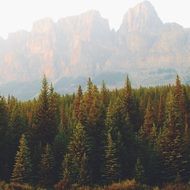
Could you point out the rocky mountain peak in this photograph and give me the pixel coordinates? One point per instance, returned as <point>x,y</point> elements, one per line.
<point>141,18</point>
<point>43,25</point>
<point>87,26</point>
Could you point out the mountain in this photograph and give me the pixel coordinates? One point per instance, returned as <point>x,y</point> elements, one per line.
<point>73,48</point>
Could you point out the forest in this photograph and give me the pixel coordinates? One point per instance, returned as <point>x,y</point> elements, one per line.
<point>97,138</point>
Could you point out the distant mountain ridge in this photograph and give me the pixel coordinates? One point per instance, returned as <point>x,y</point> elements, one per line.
<point>84,45</point>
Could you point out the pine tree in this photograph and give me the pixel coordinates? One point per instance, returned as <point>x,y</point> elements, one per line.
<point>46,120</point>
<point>59,149</point>
<point>104,96</point>
<point>65,182</point>
<point>122,134</point>
<point>77,103</point>
<point>41,130</point>
<point>53,113</point>
<point>160,116</point>
<point>139,172</point>
<point>63,120</point>
<point>128,124</point>
<point>3,117</point>
<point>78,154</point>
<point>94,129</point>
<point>171,142</point>
<point>84,177</point>
<point>148,120</point>
<point>3,131</point>
<point>66,168</point>
<point>46,173</point>
<point>112,164</point>
<point>113,120</point>
<point>22,168</point>
<point>129,105</point>
<point>180,97</point>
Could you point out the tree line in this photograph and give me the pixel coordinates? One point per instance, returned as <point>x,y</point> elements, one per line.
<point>97,136</point>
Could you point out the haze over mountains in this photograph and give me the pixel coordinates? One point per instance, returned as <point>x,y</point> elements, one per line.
<point>74,48</point>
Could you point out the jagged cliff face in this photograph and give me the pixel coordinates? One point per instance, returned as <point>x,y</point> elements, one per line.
<point>84,45</point>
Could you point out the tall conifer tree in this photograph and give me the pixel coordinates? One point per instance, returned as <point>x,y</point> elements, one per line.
<point>171,142</point>
<point>112,162</point>
<point>46,120</point>
<point>22,168</point>
<point>78,155</point>
<point>47,164</point>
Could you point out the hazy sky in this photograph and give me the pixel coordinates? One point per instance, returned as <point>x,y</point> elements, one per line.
<point>20,14</point>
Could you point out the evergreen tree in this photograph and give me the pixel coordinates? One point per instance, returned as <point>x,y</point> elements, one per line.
<point>129,105</point>
<point>139,172</point>
<point>22,168</point>
<point>104,96</point>
<point>46,121</point>
<point>84,177</point>
<point>3,131</point>
<point>148,120</point>
<point>171,142</point>
<point>47,163</point>
<point>95,130</point>
<point>113,120</point>
<point>78,154</point>
<point>160,115</point>
<point>77,103</point>
<point>180,97</point>
<point>53,113</point>
<point>3,118</point>
<point>66,168</point>
<point>63,120</point>
<point>41,130</point>
<point>112,164</point>
<point>59,149</point>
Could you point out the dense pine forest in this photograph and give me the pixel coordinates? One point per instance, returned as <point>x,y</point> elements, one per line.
<point>97,139</point>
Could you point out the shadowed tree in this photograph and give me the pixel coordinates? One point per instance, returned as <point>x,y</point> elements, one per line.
<point>22,172</point>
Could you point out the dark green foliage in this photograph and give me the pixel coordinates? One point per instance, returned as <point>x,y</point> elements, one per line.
<point>3,117</point>
<point>67,168</point>
<point>148,121</point>
<point>45,127</point>
<point>161,113</point>
<point>78,156</point>
<point>112,162</point>
<point>59,150</point>
<point>171,142</point>
<point>180,98</point>
<point>22,168</point>
<point>139,172</point>
<point>100,136</point>
<point>47,163</point>
<point>3,136</point>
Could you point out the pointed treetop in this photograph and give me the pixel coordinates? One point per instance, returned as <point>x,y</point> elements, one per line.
<point>79,92</point>
<point>103,85</point>
<point>89,84</point>
<point>128,88</point>
<point>51,88</point>
<point>178,81</point>
<point>45,87</point>
<point>44,81</point>
<point>22,168</point>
